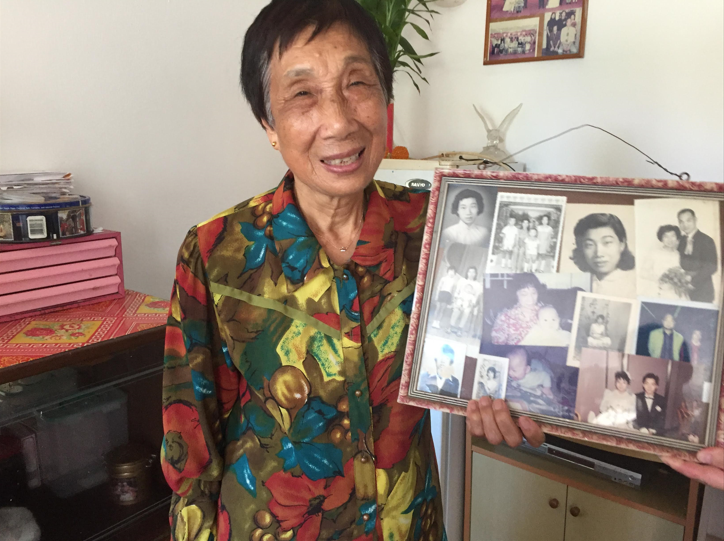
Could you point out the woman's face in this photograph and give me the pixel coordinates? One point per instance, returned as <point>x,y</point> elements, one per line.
<point>329,112</point>
<point>468,210</point>
<point>472,274</point>
<point>621,385</point>
<point>602,250</point>
<point>670,240</point>
<point>527,297</point>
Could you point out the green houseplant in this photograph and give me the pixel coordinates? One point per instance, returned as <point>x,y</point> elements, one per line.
<point>393,17</point>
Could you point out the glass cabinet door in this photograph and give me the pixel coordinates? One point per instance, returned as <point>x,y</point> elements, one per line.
<point>79,449</point>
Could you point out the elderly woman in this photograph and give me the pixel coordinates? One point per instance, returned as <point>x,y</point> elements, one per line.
<point>602,249</point>
<point>289,314</point>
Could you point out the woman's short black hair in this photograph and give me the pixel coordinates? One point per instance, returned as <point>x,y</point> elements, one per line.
<point>622,375</point>
<point>600,316</point>
<point>493,370</point>
<point>596,221</point>
<point>525,280</point>
<point>282,21</point>
<point>668,229</point>
<point>468,194</point>
<point>472,267</point>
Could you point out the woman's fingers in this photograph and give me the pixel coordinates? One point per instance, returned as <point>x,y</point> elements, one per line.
<point>710,472</point>
<point>492,432</point>
<point>532,432</point>
<point>473,419</point>
<point>505,423</point>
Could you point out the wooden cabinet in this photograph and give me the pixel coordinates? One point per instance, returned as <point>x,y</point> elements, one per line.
<point>512,495</point>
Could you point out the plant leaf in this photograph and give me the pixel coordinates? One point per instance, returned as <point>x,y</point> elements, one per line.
<point>419,30</point>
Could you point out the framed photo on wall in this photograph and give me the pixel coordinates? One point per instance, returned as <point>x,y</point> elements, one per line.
<point>592,305</point>
<point>531,30</point>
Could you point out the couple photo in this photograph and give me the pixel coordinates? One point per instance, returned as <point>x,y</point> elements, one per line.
<point>681,255</point>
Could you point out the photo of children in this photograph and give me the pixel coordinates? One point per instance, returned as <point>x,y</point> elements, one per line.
<point>539,380</point>
<point>491,377</point>
<point>457,304</point>
<point>526,233</point>
<point>530,309</point>
<point>442,367</point>
<point>604,323</point>
<point>6,227</point>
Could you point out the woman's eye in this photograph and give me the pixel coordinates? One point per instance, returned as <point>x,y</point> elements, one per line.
<point>357,83</point>
<point>302,93</point>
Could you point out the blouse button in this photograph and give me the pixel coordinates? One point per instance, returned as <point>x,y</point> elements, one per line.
<point>365,517</point>
<point>345,277</point>
<point>364,459</point>
<point>358,393</point>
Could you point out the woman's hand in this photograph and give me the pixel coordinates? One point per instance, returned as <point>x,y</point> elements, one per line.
<point>710,471</point>
<point>492,420</point>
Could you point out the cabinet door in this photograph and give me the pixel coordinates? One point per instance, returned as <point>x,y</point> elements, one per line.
<point>603,520</point>
<point>511,504</point>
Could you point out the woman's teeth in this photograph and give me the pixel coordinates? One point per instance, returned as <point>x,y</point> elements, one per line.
<point>344,161</point>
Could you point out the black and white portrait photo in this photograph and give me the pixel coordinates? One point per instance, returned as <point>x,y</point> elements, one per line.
<point>602,322</point>
<point>468,215</point>
<point>526,233</point>
<point>530,309</point>
<point>677,331</point>
<point>442,367</point>
<point>491,377</point>
<point>599,239</point>
<point>679,244</point>
<point>456,307</point>
<point>561,32</point>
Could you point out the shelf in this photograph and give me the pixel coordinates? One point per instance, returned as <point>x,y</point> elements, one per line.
<point>663,495</point>
<point>93,516</point>
<point>66,385</point>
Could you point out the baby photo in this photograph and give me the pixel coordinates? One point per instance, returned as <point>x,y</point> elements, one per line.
<point>491,377</point>
<point>602,323</point>
<point>539,380</point>
<point>530,309</point>
<point>526,233</point>
<point>442,367</point>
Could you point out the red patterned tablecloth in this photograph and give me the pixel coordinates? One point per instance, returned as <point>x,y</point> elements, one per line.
<point>55,332</point>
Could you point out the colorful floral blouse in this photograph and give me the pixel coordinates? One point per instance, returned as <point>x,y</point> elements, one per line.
<point>282,372</point>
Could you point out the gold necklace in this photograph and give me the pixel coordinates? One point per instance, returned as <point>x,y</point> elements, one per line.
<point>359,230</point>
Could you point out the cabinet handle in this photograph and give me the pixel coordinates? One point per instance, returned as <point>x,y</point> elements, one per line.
<point>553,503</point>
<point>575,511</point>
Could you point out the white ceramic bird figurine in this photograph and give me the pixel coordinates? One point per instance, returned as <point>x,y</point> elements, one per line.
<point>495,149</point>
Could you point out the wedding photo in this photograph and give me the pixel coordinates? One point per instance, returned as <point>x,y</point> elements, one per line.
<point>604,389</point>
<point>602,322</point>
<point>530,309</point>
<point>649,384</point>
<point>679,249</point>
<point>526,233</point>
<point>599,239</point>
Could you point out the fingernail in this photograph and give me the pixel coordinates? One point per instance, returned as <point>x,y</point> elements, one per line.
<point>704,456</point>
<point>485,401</point>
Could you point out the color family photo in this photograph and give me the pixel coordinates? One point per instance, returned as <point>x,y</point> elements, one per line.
<point>527,30</point>
<point>530,309</point>
<point>526,233</point>
<point>442,367</point>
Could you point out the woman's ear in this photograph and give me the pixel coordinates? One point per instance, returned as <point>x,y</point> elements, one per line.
<point>271,134</point>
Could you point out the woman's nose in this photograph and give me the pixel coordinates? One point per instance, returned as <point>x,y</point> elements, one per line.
<point>337,117</point>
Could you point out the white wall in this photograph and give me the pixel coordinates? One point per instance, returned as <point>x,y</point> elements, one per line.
<point>140,100</point>
<point>653,73</point>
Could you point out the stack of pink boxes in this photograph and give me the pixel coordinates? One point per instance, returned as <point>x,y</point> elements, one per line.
<point>42,276</point>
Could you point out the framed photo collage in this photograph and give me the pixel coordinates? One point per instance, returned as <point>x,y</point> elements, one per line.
<point>592,305</point>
